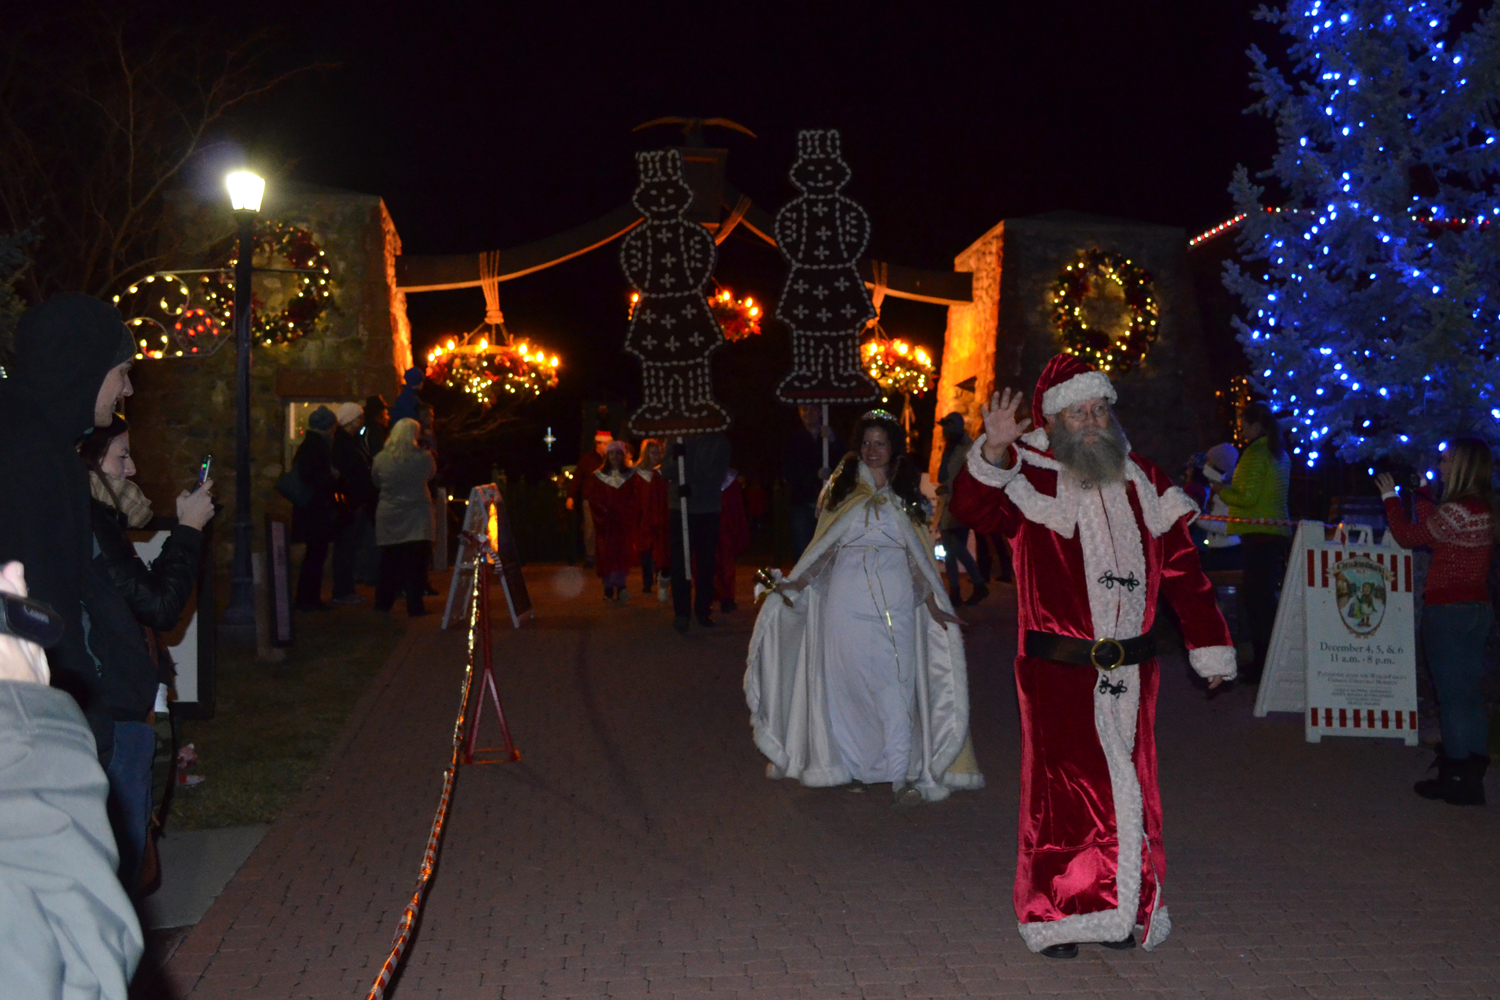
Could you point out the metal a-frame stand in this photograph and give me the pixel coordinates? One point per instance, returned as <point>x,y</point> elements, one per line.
<point>484,557</point>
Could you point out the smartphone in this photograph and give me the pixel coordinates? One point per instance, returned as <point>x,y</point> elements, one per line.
<point>203,469</point>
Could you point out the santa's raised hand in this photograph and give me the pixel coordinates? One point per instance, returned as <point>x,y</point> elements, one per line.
<point>1001,428</point>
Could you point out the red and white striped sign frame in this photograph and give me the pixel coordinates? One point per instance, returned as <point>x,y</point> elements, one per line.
<point>1398,564</point>
<point>1322,718</point>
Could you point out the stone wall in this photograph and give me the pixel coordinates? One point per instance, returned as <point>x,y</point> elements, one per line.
<point>183,408</point>
<point>969,344</point>
<point>1166,403</point>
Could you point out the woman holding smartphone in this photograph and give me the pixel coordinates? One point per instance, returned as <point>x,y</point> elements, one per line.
<point>156,595</point>
<point>1462,528</point>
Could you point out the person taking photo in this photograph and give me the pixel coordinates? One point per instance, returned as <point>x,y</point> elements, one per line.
<point>1461,528</point>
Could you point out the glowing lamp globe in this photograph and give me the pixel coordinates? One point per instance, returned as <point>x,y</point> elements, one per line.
<point>245,190</point>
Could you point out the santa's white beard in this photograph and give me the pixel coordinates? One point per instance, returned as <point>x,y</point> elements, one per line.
<point>1095,461</point>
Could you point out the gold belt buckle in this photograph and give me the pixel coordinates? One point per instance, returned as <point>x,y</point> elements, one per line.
<point>1118,658</point>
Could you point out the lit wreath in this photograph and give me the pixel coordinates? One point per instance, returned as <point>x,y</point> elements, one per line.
<point>1071,289</point>
<point>173,315</point>
<point>490,372</point>
<point>898,366</point>
<point>304,307</point>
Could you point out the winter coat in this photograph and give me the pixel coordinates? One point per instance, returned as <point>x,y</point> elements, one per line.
<point>404,513</point>
<point>350,459</point>
<point>63,350</point>
<point>707,462</point>
<point>1259,490</point>
<point>313,462</point>
<point>157,596</point>
<point>82,937</point>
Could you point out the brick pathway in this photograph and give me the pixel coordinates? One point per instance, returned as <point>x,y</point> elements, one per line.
<point>639,851</point>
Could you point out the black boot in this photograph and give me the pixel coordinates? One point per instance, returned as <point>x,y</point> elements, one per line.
<point>1447,778</point>
<point>1470,788</point>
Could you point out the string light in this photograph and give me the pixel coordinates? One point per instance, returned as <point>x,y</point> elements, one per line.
<point>1071,292</point>
<point>304,307</point>
<point>152,306</point>
<point>1479,222</point>
<point>193,318</point>
<point>491,372</point>
<point>738,318</point>
<point>898,366</point>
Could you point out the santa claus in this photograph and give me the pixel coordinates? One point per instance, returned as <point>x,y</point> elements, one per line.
<point>1097,533</point>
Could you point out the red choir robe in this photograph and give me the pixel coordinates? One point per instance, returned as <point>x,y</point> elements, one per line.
<point>1090,564</point>
<point>612,501</point>
<point>651,502</point>
<point>734,536</point>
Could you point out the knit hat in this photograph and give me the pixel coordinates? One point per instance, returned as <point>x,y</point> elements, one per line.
<point>954,419</point>
<point>1065,381</point>
<point>1223,457</point>
<point>347,413</point>
<point>414,376</point>
<point>321,419</point>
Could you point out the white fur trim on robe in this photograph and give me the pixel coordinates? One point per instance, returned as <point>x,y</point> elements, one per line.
<point>787,696</point>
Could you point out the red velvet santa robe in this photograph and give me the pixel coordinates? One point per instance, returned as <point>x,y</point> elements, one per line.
<point>734,537</point>
<point>651,501</point>
<point>1090,564</point>
<point>616,522</point>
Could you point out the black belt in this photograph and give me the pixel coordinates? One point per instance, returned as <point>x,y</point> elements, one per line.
<point>1106,654</point>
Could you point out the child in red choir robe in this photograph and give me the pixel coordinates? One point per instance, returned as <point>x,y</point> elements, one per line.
<point>612,502</point>
<point>651,501</point>
<point>734,538</point>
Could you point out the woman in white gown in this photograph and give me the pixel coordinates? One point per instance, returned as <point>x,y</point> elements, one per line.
<point>856,673</point>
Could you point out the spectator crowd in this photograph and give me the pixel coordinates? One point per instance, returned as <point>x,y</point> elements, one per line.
<point>77,741</point>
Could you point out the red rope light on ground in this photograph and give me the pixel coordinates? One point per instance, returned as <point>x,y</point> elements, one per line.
<point>435,837</point>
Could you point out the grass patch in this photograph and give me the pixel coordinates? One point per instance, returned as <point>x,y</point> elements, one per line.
<point>274,723</point>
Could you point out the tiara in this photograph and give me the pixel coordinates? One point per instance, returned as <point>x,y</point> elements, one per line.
<point>879,415</point>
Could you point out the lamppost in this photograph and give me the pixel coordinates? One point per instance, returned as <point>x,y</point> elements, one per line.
<point>245,191</point>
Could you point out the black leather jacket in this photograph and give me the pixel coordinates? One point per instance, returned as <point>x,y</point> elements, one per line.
<point>157,594</point>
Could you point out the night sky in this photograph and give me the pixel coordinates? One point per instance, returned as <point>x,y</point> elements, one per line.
<point>489,125</point>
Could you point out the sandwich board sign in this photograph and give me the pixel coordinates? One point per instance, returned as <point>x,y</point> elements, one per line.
<point>485,519</point>
<point>1343,650</point>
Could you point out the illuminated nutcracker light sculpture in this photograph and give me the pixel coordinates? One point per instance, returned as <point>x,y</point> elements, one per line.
<point>821,233</point>
<point>668,261</point>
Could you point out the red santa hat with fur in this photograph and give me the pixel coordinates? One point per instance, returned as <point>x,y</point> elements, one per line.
<point>1067,380</point>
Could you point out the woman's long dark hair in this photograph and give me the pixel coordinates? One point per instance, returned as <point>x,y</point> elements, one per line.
<point>1260,414</point>
<point>93,446</point>
<point>905,480</point>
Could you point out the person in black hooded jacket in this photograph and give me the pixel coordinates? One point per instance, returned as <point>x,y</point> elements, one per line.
<point>69,371</point>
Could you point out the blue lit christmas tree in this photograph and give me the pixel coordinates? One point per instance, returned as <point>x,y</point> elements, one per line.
<point>1371,292</point>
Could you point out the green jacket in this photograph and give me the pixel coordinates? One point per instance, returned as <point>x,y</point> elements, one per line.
<point>1258,489</point>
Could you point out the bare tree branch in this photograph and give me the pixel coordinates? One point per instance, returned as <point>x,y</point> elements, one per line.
<point>92,140</point>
